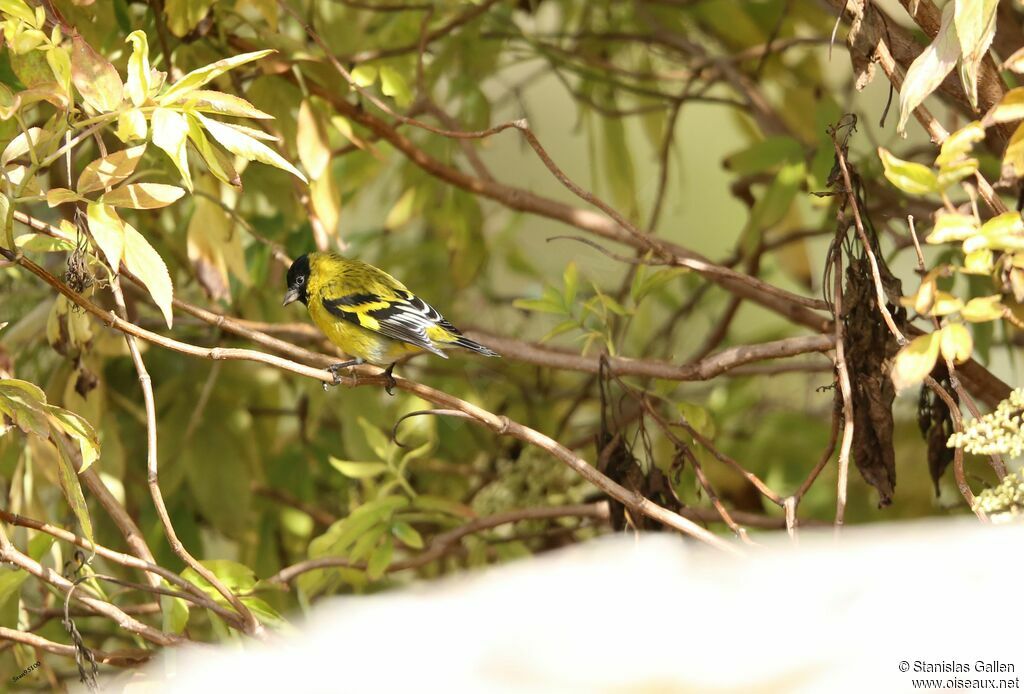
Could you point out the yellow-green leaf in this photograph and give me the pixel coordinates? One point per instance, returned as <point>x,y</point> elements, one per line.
<point>357,469</point>
<point>143,196</point>
<point>132,125</point>
<point>59,196</point>
<point>18,8</point>
<point>94,77</point>
<point>364,75</point>
<point>219,163</point>
<point>110,170</point>
<point>945,304</point>
<point>910,177</point>
<point>242,145</point>
<point>108,231</point>
<point>79,430</point>
<point>197,78</point>
<point>984,309</point>
<point>915,361</point>
<point>170,133</point>
<point>956,343</point>
<point>980,262</point>
<point>222,104</point>
<point>1009,109</point>
<point>138,68</point>
<point>146,264</point>
<point>394,85</point>
<point>1013,157</point>
<point>953,227</point>
<point>70,485</point>
<point>407,535</point>
<point>380,559</point>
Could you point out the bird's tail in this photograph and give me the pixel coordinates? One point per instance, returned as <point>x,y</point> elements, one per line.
<point>466,343</point>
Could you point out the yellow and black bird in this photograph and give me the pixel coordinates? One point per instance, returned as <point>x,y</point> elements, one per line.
<point>369,314</point>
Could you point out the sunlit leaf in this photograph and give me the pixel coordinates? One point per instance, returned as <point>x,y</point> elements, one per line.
<point>219,163</point>
<point>94,77</point>
<point>980,262</point>
<point>59,196</point>
<point>393,84</point>
<point>983,309</point>
<point>71,486</point>
<point>953,227</point>
<point>146,264</point>
<point>244,146</point>
<point>132,125</point>
<point>22,143</point>
<point>143,196</point>
<point>928,70</point>
<point>107,230</point>
<point>221,104</point>
<point>18,8</point>
<point>311,141</point>
<point>110,170</point>
<point>956,343</point>
<point>908,176</point>
<point>170,133</point>
<point>975,22</point>
<point>1009,109</point>
<point>138,68</point>
<point>915,361</point>
<point>364,75</point>
<point>184,15</point>
<point>197,78</point>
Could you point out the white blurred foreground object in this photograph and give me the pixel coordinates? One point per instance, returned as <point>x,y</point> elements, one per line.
<point>942,601</point>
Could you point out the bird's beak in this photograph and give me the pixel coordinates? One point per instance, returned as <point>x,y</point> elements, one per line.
<point>290,296</point>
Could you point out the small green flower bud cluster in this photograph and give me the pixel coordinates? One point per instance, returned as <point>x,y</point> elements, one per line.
<point>997,433</point>
<point>1004,503</point>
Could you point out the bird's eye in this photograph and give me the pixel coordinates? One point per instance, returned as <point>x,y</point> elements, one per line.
<point>300,281</point>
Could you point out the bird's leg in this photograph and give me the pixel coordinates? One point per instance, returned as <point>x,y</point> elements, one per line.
<point>390,384</point>
<point>336,368</point>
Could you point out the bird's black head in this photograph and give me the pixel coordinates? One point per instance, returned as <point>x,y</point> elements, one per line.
<point>298,278</point>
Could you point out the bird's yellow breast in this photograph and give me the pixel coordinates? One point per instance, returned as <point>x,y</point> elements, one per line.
<point>358,341</point>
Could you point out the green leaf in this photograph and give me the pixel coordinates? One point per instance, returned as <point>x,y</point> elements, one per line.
<point>6,222</point>
<point>143,196</point>
<point>570,282</point>
<point>94,77</point>
<point>380,559</point>
<point>146,264</point>
<point>138,68</point>
<point>765,155</point>
<point>184,15</point>
<point>110,170</point>
<point>24,403</point>
<point>910,177</point>
<point>342,534</point>
<point>365,75</point>
<point>394,85</point>
<point>79,430</point>
<point>234,140</point>
<point>1013,157</point>
<point>197,78</point>
<point>407,535</point>
<point>170,133</point>
<point>930,67</point>
<point>236,577</point>
<point>365,545</point>
<point>983,309</point>
<point>70,485</point>
<point>107,230</point>
<point>176,612</point>
<point>375,438</point>
<point>357,470</point>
